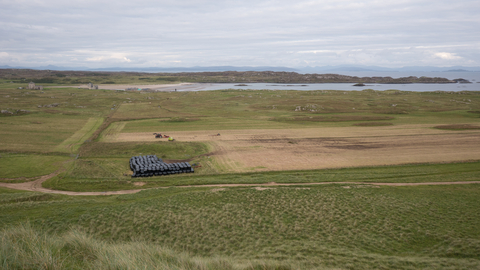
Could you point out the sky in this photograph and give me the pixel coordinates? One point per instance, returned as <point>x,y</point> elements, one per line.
<point>187,33</point>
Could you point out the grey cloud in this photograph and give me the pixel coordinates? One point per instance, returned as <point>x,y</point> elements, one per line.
<point>188,33</point>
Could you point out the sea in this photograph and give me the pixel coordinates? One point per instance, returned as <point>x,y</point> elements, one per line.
<point>473,77</point>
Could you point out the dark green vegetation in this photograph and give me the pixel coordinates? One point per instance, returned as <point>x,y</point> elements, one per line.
<point>83,77</point>
<point>333,226</point>
<point>21,166</point>
<point>373,124</point>
<point>341,226</point>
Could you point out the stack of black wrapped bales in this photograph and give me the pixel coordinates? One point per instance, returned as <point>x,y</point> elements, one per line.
<point>146,166</point>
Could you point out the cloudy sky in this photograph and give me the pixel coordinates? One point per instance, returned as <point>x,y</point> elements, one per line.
<point>186,33</point>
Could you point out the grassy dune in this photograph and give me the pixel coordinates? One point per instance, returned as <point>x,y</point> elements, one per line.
<point>337,226</point>
<point>25,248</point>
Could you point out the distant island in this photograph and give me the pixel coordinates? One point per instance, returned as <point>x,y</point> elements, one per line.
<point>457,70</point>
<point>238,77</point>
<point>460,80</point>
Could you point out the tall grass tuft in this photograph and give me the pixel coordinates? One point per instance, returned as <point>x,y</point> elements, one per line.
<point>23,247</point>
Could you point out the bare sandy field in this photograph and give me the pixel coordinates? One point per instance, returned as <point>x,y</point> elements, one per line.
<point>316,148</point>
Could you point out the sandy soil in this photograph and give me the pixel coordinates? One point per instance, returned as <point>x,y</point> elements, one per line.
<point>316,148</point>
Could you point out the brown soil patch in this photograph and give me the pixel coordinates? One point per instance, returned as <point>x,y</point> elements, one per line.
<point>262,188</point>
<point>340,118</point>
<point>217,189</point>
<point>458,127</point>
<point>373,124</point>
<point>139,184</point>
<point>317,148</point>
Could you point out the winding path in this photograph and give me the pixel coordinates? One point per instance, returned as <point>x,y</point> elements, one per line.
<point>37,186</point>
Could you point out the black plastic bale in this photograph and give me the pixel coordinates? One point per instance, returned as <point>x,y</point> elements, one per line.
<point>151,165</point>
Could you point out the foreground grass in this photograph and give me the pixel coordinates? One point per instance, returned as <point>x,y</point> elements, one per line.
<point>24,248</point>
<point>334,226</point>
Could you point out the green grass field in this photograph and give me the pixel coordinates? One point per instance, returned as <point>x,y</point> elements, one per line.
<point>73,143</point>
<point>335,226</point>
<point>103,175</point>
<point>20,166</point>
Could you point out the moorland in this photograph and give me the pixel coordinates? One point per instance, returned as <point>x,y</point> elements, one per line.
<point>105,77</point>
<point>355,142</point>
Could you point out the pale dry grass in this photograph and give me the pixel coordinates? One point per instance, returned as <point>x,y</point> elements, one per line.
<point>251,134</point>
<point>333,147</point>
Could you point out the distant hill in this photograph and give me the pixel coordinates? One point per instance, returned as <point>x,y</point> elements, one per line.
<point>359,68</point>
<point>457,70</point>
<point>316,69</point>
<point>75,77</point>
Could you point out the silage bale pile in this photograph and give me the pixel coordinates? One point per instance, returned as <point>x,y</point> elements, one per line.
<point>147,166</point>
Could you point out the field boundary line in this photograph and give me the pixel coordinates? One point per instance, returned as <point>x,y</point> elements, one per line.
<point>74,142</point>
<point>110,134</point>
<point>37,186</point>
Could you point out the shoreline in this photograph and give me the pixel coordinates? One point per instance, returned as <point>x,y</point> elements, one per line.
<point>143,87</point>
<point>187,87</point>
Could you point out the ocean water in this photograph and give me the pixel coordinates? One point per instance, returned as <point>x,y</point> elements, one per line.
<point>473,77</point>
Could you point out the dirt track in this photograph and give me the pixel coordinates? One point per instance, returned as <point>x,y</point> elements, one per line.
<point>37,186</point>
